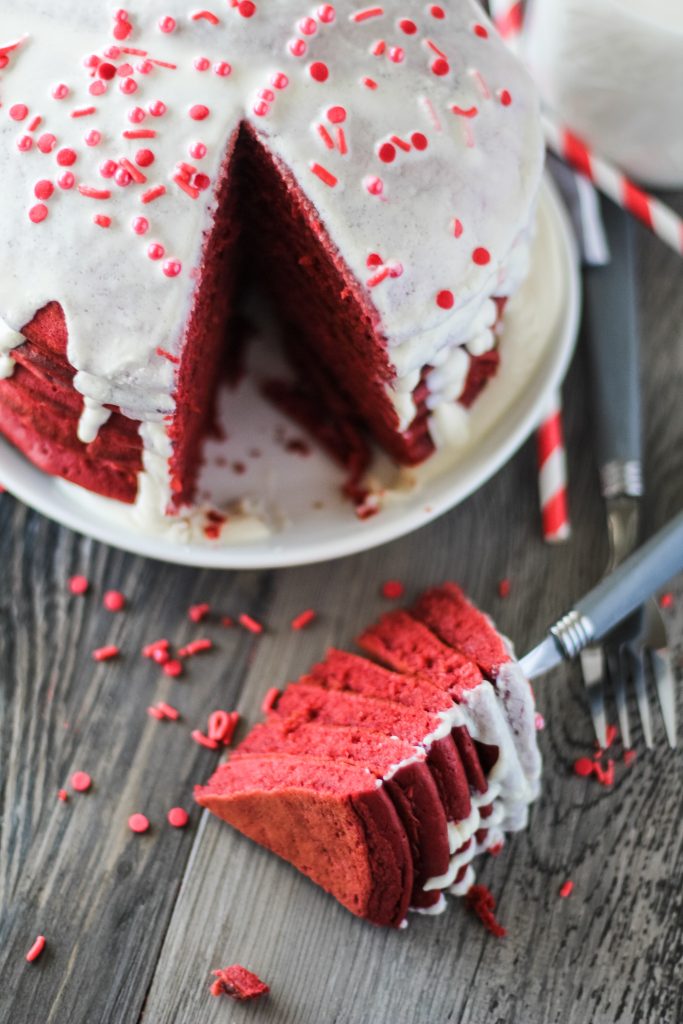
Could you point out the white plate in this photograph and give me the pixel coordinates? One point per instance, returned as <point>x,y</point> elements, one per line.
<point>299,495</point>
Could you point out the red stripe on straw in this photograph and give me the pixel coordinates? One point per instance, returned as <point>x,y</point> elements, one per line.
<point>577,153</point>
<point>637,202</point>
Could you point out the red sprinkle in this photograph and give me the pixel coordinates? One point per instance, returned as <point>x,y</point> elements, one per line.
<point>81,782</point>
<point>319,71</point>
<point>206,16</point>
<point>62,795</point>
<point>303,619</point>
<point>440,66</point>
<point>149,650</point>
<point>270,700</point>
<point>566,889</point>
<point>666,600</point>
<point>481,256</point>
<point>36,949</point>
<point>138,823</point>
<point>481,901</point>
<point>38,213</point>
<point>106,653</point>
<point>168,710</point>
<point>78,585</point>
<point>393,589</point>
<point>584,766</point>
<point>173,668</point>
<point>199,112</point>
<point>114,601</point>
<point>480,31</point>
<point>251,624</point>
<point>198,612</point>
<point>204,741</point>
<point>504,588</point>
<point>178,817</point>
<point>445,299</point>
<point>153,193</point>
<point>19,112</point>
<point>155,713</point>
<point>195,647</point>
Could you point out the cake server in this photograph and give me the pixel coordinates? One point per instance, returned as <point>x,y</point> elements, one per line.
<point>611,601</point>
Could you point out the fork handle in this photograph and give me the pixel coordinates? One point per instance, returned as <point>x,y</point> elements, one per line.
<point>629,586</point>
<point>611,331</point>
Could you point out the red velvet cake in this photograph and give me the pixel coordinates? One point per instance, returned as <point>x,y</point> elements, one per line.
<point>382,785</point>
<point>375,168</point>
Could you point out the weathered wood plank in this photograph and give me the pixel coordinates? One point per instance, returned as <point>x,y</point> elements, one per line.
<point>136,923</point>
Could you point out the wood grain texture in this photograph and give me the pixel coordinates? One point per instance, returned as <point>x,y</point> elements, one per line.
<point>135,924</point>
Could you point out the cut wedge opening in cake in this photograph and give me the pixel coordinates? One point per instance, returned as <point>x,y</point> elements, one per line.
<point>267,235</point>
<point>385,201</point>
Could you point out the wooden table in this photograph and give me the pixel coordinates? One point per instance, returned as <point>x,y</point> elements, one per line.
<point>136,923</point>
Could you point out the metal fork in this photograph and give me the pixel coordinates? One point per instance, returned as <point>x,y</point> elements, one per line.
<point>613,343</point>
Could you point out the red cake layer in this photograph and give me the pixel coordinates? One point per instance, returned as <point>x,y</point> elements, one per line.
<point>328,819</point>
<point>303,703</point>
<point>405,644</point>
<point>450,615</point>
<point>353,674</point>
<point>411,786</point>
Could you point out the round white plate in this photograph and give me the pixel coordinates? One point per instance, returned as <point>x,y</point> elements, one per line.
<point>295,488</point>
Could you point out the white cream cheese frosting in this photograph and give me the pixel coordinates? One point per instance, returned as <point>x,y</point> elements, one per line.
<point>409,127</point>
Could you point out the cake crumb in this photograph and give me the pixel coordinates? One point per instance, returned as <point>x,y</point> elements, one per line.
<point>481,901</point>
<point>238,983</point>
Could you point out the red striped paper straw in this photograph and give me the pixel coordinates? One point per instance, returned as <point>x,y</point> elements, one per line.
<point>552,475</point>
<point>656,215</point>
<point>507,17</point>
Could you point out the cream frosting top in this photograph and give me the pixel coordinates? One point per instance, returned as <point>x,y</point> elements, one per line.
<point>409,127</point>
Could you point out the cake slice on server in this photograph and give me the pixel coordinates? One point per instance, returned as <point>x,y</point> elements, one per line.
<point>440,746</point>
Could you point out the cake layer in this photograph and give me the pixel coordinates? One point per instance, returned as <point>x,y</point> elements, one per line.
<point>330,820</point>
<point>301,702</point>
<point>457,622</point>
<point>399,764</point>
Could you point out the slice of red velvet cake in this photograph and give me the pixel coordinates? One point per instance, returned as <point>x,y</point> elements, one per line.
<point>452,753</point>
<point>377,172</point>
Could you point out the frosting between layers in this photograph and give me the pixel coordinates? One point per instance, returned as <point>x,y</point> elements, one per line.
<point>480,168</point>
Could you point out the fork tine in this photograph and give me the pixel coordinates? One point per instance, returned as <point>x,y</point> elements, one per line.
<point>593,672</point>
<point>662,670</point>
<point>616,675</point>
<point>640,686</point>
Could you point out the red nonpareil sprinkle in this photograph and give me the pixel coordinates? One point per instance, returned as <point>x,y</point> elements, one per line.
<point>78,585</point>
<point>336,115</point>
<point>666,600</point>
<point>199,112</point>
<point>60,92</point>
<point>153,193</point>
<point>481,902</point>
<point>249,623</point>
<point>303,619</point>
<point>370,83</point>
<point>114,601</point>
<point>393,589</point>
<point>47,142</point>
<point>480,30</point>
<point>407,26</point>
<point>379,48</point>
<point>18,112</point>
<point>36,949</point>
<point>157,108</point>
<point>38,213</point>
<point>387,153</point>
<point>457,228</point>
<point>246,8</point>
<point>155,251</point>
<point>102,220</point>
<point>270,700</point>
<point>566,889</point>
<point>504,587</point>
<point>440,67</point>
<point>481,256</point>
<point>173,668</point>
<point>106,653</point>
<point>445,299</point>
<point>198,612</point>
<point>178,817</point>
<point>195,647</point>
<point>319,71</point>
<point>238,983</point>
<point>81,782</point>
<point>172,268</point>
<point>138,823</point>
<point>584,766</point>
<point>204,741</point>
<point>167,24</point>
<point>62,795</point>
<point>505,97</point>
